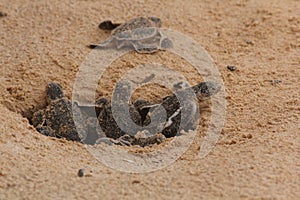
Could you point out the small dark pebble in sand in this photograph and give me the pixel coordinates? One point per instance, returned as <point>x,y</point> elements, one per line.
<point>231,67</point>
<point>275,82</point>
<point>2,14</point>
<point>248,41</point>
<point>136,182</point>
<point>80,172</point>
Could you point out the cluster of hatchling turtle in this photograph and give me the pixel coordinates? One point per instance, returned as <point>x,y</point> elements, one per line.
<point>57,118</point>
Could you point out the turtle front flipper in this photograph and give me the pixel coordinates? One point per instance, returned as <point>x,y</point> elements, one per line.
<point>108,25</point>
<point>39,122</point>
<point>47,131</point>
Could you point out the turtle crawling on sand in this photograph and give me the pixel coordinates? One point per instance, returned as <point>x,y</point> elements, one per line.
<point>141,34</point>
<point>186,106</point>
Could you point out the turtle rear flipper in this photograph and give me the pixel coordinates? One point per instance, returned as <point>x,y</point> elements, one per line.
<point>112,43</point>
<point>106,44</point>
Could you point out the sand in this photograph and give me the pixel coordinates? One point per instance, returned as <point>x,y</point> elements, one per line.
<point>258,151</point>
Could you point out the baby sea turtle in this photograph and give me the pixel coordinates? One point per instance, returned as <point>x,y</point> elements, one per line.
<point>188,107</point>
<point>181,113</point>
<point>56,119</point>
<point>120,118</point>
<point>142,34</point>
<point>109,125</point>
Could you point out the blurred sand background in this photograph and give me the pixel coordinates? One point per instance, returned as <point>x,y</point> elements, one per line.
<point>257,155</point>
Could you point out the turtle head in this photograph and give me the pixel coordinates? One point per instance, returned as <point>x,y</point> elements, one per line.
<point>204,90</point>
<point>101,104</point>
<point>54,91</point>
<point>143,107</point>
<point>166,43</point>
<point>156,21</point>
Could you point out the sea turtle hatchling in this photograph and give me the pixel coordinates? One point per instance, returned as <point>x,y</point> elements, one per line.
<point>188,107</point>
<point>181,108</point>
<point>141,33</point>
<point>56,119</point>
